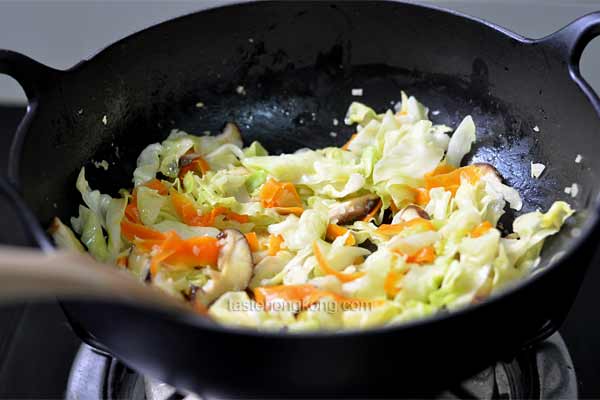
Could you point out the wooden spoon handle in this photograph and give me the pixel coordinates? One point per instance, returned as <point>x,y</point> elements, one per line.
<point>31,274</point>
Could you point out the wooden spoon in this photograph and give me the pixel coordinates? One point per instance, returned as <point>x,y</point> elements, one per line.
<point>27,274</point>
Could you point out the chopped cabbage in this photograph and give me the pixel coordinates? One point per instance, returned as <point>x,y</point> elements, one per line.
<point>325,241</point>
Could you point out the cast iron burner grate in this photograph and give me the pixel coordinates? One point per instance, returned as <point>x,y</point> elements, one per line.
<point>543,372</point>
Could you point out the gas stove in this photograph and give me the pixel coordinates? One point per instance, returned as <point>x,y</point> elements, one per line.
<point>542,372</point>
<point>41,358</point>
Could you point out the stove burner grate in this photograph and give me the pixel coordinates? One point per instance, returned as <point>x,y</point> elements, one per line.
<point>543,372</point>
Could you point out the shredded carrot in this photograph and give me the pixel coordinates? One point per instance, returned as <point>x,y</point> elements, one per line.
<point>147,245</point>
<point>122,261</point>
<point>186,209</point>
<point>274,244</point>
<point>328,270</point>
<point>441,169</point>
<point>162,252</point>
<point>242,219</point>
<point>345,146</point>
<point>209,219</point>
<point>305,295</point>
<point>394,207</point>
<point>157,185</point>
<point>334,231</point>
<point>390,285</point>
<point>422,196</point>
<point>189,213</point>
<point>425,255</point>
<point>198,165</point>
<point>451,180</point>
<point>279,194</point>
<point>192,252</point>
<point>252,241</point>
<point>373,212</point>
<point>481,229</point>
<point>131,211</point>
<point>394,229</point>
<point>131,230</point>
<point>177,253</point>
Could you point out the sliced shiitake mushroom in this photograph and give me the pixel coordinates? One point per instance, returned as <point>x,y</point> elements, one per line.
<point>489,169</point>
<point>234,267</point>
<point>352,210</point>
<point>410,212</point>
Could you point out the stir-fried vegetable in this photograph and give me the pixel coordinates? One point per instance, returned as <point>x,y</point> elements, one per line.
<point>385,229</point>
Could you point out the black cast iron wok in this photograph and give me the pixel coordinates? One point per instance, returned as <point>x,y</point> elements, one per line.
<point>296,59</point>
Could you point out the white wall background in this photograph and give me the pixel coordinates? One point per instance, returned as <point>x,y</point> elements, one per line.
<point>62,32</point>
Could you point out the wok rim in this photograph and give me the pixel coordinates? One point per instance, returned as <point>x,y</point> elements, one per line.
<point>592,222</point>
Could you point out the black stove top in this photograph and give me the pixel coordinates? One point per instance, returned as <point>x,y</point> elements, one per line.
<point>543,372</point>
<point>41,358</point>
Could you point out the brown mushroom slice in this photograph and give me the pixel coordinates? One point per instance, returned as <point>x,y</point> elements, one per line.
<point>488,169</point>
<point>352,210</point>
<point>234,267</point>
<point>410,212</point>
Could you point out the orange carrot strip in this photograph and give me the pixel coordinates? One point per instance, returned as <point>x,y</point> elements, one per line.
<point>131,211</point>
<point>122,261</point>
<point>394,229</point>
<point>451,180</point>
<point>373,212</point>
<point>242,219</point>
<point>252,241</point>
<point>441,169</point>
<point>481,229</point>
<point>131,230</point>
<point>157,185</point>
<point>328,270</point>
<point>422,196</point>
<point>193,252</point>
<point>279,194</point>
<point>274,244</point>
<point>147,245</point>
<point>198,165</point>
<point>345,146</point>
<point>176,253</point>
<point>425,255</point>
<point>390,285</point>
<point>334,231</point>
<point>164,250</point>
<point>186,209</point>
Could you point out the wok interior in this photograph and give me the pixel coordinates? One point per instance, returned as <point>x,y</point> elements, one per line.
<point>298,64</point>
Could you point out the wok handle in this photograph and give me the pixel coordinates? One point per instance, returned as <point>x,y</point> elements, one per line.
<point>13,201</point>
<point>571,40</point>
<point>32,75</point>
